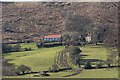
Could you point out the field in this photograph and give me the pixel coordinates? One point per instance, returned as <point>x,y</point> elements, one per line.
<point>41,59</point>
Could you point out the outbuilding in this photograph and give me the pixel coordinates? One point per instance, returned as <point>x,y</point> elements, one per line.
<point>51,38</point>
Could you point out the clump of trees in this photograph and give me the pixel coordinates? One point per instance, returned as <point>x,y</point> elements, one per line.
<point>74,53</point>
<point>9,69</point>
<point>52,44</point>
<point>111,44</point>
<point>77,27</point>
<point>40,45</point>
<point>73,38</point>
<point>6,48</point>
<point>22,69</point>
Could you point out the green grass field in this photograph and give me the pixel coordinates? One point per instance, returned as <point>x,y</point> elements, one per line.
<point>98,73</point>
<point>94,52</point>
<point>37,60</point>
<point>41,59</point>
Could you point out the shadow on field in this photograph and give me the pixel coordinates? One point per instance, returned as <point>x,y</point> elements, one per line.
<point>91,60</point>
<point>83,55</point>
<point>83,61</point>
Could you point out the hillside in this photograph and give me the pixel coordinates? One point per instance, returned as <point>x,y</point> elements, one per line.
<point>31,20</point>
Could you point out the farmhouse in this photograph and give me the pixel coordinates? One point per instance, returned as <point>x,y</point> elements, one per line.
<point>88,38</point>
<point>50,38</point>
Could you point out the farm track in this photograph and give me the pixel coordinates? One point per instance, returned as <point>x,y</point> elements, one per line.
<point>76,72</point>
<point>61,60</point>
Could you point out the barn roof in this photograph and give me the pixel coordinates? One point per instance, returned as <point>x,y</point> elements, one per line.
<point>53,36</point>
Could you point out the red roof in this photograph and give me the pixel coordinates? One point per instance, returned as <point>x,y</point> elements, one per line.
<point>53,36</point>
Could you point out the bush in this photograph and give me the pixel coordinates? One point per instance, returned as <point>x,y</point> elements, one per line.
<point>6,48</point>
<point>27,49</point>
<point>88,65</point>
<point>22,69</point>
<point>74,52</point>
<point>39,45</point>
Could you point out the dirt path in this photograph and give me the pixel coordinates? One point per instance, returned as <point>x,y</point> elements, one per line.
<point>77,71</point>
<point>61,60</point>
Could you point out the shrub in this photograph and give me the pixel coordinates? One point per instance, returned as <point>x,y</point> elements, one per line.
<point>23,69</point>
<point>88,65</point>
<point>6,48</point>
<point>74,50</point>
<point>39,45</point>
<point>27,49</point>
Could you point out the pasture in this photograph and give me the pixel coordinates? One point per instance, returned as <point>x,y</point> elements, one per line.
<point>40,59</point>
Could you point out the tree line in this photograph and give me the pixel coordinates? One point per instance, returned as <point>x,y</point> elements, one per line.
<point>6,48</point>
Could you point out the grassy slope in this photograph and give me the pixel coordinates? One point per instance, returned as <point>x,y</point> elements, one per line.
<point>94,52</point>
<point>38,59</point>
<point>98,73</point>
<point>41,59</point>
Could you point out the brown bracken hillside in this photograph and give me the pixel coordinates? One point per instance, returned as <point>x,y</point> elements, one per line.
<point>32,20</point>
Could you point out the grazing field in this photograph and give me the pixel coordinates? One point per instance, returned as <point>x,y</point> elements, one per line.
<point>42,58</point>
<point>37,60</point>
<point>94,52</point>
<point>98,73</point>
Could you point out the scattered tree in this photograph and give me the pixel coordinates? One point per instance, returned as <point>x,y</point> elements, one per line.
<point>71,38</point>
<point>39,45</point>
<point>22,69</point>
<point>74,52</point>
<point>87,65</point>
<point>27,49</point>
